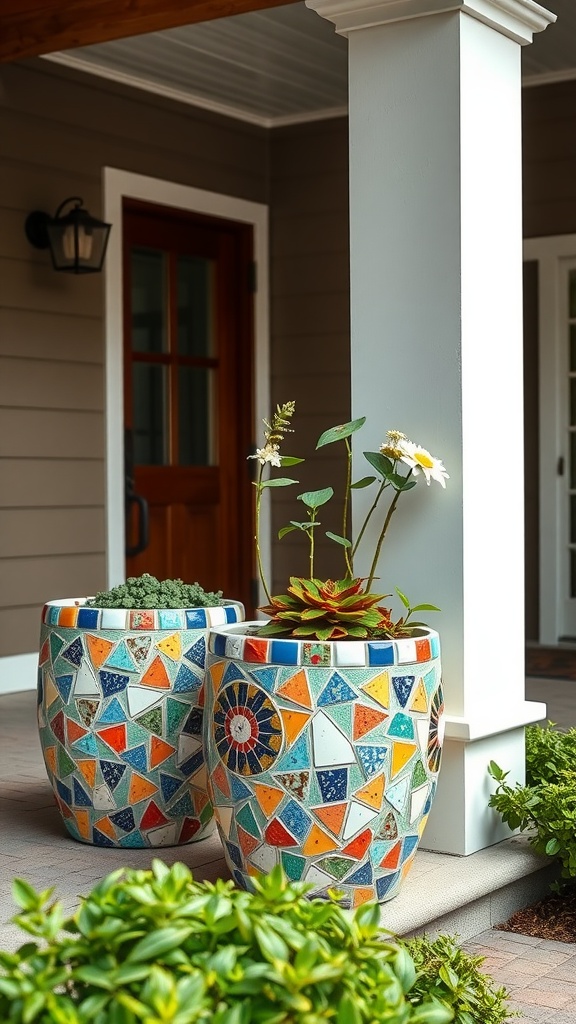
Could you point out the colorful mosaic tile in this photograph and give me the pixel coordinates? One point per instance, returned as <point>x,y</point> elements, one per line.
<point>120,721</point>
<point>323,758</point>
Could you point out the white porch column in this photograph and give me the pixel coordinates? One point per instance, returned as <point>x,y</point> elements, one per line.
<point>436,297</point>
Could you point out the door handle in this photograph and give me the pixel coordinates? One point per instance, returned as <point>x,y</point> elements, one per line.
<point>143,535</point>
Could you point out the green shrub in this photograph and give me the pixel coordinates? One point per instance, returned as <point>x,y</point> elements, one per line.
<point>453,976</point>
<point>147,592</point>
<point>546,806</point>
<point>159,948</point>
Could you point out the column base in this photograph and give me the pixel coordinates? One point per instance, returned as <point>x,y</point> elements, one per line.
<point>461,822</point>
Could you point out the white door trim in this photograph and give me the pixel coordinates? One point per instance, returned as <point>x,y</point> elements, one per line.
<point>547,252</point>
<point>116,185</point>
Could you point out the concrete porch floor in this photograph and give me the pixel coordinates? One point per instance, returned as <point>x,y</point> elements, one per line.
<point>463,896</point>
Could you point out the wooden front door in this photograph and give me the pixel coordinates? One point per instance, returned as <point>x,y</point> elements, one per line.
<point>188,369</point>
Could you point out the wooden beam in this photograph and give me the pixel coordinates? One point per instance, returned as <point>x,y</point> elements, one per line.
<point>32,27</point>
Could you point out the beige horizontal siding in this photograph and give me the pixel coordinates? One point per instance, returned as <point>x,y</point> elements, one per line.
<point>54,482</point>
<point>20,631</point>
<point>43,383</point>
<point>60,336</point>
<point>50,531</point>
<point>38,433</point>
<point>28,581</point>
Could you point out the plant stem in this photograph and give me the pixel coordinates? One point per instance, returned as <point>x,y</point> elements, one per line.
<point>311,538</point>
<point>389,515</point>
<point>348,560</point>
<point>368,517</point>
<point>259,490</point>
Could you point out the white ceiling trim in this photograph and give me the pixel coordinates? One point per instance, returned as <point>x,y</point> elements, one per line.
<point>192,100</point>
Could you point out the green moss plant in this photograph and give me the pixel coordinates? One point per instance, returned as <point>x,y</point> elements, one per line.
<point>147,592</point>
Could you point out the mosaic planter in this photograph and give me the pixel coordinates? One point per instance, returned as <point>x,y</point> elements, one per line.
<point>120,719</point>
<point>323,757</point>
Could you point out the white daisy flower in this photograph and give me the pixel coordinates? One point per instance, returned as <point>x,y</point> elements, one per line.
<point>270,453</point>
<point>420,460</point>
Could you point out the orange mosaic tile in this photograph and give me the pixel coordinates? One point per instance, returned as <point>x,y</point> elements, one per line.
<point>366,719</point>
<point>156,675</point>
<point>318,842</point>
<point>372,793</point>
<point>140,788</point>
<point>332,815</point>
<point>294,722</point>
<point>268,797</point>
<point>297,690</point>
<point>98,649</point>
<point>401,754</point>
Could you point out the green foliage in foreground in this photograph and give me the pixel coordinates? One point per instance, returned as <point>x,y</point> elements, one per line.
<point>159,948</point>
<point>546,806</point>
<point>147,592</point>
<point>454,976</point>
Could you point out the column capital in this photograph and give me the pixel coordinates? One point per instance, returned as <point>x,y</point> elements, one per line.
<point>517,19</point>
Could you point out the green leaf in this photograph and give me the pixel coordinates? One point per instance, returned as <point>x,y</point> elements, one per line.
<point>340,432</point>
<point>314,499</point>
<point>496,772</point>
<point>289,460</point>
<point>24,895</point>
<point>401,483</point>
<point>279,481</point>
<point>403,598</point>
<point>94,976</point>
<point>348,1012</point>
<point>285,530</point>
<point>380,463</point>
<point>161,941</point>
<point>339,540</point>
<point>364,482</point>
<point>33,1005</point>
<point>426,608</point>
<point>272,946</point>
<point>552,847</point>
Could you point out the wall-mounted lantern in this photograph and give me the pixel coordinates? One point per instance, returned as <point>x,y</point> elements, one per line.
<point>77,241</point>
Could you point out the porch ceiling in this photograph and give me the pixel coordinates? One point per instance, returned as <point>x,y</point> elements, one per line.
<point>277,66</point>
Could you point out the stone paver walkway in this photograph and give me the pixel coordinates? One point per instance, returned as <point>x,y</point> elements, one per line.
<point>540,975</point>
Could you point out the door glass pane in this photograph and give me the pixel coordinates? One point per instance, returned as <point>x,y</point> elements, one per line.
<point>197,416</point>
<point>150,422</point>
<point>572,422</point>
<point>572,500</point>
<point>572,572</point>
<point>149,317</point>
<point>195,288</point>
<point>572,483</point>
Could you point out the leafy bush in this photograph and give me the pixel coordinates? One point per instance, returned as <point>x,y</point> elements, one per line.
<point>159,948</point>
<point>453,976</point>
<point>147,592</point>
<point>546,806</point>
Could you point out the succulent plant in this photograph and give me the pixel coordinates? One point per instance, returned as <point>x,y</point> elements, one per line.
<point>328,610</point>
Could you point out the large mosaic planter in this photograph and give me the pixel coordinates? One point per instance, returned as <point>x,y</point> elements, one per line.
<point>120,695</point>
<point>323,757</point>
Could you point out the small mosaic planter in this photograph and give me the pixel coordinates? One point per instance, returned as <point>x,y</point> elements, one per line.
<point>323,757</point>
<point>120,706</point>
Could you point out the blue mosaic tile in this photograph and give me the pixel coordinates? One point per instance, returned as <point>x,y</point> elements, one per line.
<point>296,820</point>
<point>87,618</point>
<point>99,839</point>
<point>169,785</point>
<point>112,682</point>
<point>380,653</point>
<point>373,759</point>
<point>74,652</point>
<point>219,642</point>
<point>231,613</point>
<point>337,691</point>
<point>112,773</point>
<point>193,724</point>
<point>186,680</point>
<point>113,712</point>
<point>137,758</point>
<point>265,677</point>
<point>195,618</point>
<point>197,653</point>
<point>284,652</point>
<point>124,819</point>
<point>64,685</point>
<point>410,844</point>
<point>363,875</point>
<point>333,784</point>
<point>87,745</point>
<point>402,687</point>
<point>64,792</point>
<point>231,674</point>
<point>247,821</point>
<point>238,789</point>
<point>435,646</point>
<point>120,658</point>
<point>234,854</point>
<point>182,806</point>
<point>384,884</point>
<point>296,757</point>
<point>81,798</point>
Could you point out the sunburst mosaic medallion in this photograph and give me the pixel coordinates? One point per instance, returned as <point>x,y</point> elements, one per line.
<point>247,728</point>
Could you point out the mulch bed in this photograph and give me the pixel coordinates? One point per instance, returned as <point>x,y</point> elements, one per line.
<point>551,662</point>
<point>553,917</point>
